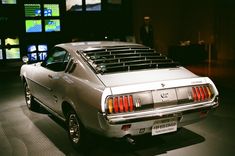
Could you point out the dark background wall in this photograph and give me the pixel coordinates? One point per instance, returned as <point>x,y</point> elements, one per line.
<point>114,22</point>
<point>211,21</point>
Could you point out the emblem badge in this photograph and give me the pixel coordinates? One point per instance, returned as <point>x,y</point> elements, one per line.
<point>164,95</point>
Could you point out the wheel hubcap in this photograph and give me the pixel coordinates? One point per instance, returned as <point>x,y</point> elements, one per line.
<point>74,128</point>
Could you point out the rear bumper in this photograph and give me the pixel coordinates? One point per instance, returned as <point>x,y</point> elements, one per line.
<point>142,122</point>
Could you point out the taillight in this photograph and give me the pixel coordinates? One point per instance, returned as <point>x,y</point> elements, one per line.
<point>119,104</point>
<point>115,104</point>
<point>201,93</point>
<point>131,107</point>
<point>126,103</point>
<point>198,94</point>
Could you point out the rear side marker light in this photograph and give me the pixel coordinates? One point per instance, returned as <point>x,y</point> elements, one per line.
<point>110,105</point>
<point>209,92</point>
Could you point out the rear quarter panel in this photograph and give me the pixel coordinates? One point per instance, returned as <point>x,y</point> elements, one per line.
<point>84,90</point>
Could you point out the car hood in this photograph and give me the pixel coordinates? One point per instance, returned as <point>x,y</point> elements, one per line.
<point>145,76</point>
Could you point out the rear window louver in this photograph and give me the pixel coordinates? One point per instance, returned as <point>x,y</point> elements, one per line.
<point>125,58</point>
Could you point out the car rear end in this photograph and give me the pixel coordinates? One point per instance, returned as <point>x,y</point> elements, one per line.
<point>146,92</point>
<point>156,107</point>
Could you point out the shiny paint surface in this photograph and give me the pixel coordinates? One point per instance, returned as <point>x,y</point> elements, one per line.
<point>86,92</point>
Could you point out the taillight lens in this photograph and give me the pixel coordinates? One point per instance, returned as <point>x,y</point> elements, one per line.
<point>201,93</point>
<point>110,105</point>
<point>119,104</point>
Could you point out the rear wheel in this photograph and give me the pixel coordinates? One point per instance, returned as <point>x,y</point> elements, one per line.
<point>76,130</point>
<point>29,99</point>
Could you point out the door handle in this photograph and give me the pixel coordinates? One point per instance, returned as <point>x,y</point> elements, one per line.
<point>55,77</point>
<point>50,76</point>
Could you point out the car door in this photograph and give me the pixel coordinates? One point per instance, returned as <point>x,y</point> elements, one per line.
<point>52,69</point>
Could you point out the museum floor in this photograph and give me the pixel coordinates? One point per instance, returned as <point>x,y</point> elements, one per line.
<point>28,133</point>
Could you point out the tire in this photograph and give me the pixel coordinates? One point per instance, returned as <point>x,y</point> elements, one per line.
<point>76,131</point>
<point>29,99</point>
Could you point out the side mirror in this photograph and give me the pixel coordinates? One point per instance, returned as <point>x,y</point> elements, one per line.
<point>25,59</point>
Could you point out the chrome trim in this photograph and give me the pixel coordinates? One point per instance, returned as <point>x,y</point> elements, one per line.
<point>159,112</point>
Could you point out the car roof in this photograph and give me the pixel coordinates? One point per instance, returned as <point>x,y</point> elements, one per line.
<point>111,56</point>
<point>92,45</point>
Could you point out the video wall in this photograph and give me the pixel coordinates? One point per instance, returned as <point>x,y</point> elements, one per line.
<point>39,24</point>
<point>42,18</point>
<point>9,48</point>
<point>37,52</point>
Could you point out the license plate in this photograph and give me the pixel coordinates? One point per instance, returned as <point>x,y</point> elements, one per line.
<point>165,125</point>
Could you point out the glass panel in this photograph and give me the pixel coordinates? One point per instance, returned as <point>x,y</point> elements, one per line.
<point>73,5</point>
<point>8,1</point>
<point>32,10</point>
<point>93,5</point>
<point>33,26</point>
<point>52,25</point>
<point>13,53</point>
<point>51,10</point>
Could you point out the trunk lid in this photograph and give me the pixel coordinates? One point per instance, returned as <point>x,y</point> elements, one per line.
<point>145,76</point>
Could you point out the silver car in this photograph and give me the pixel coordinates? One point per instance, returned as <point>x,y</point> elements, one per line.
<point>116,89</point>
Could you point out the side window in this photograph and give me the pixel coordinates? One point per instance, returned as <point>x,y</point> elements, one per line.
<point>57,60</point>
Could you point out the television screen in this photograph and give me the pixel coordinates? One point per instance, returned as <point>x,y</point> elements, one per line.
<point>33,26</point>
<point>13,53</point>
<point>51,10</point>
<point>52,25</point>
<point>73,5</point>
<point>42,56</point>
<point>0,42</point>
<point>31,48</point>
<point>32,10</point>
<point>12,41</point>
<point>42,47</point>
<point>32,56</point>
<point>1,54</point>
<point>8,1</point>
<point>93,5</point>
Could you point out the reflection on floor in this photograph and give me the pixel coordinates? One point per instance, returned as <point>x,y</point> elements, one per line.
<point>26,133</point>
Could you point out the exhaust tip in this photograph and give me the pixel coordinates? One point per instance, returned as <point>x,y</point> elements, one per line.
<point>130,140</point>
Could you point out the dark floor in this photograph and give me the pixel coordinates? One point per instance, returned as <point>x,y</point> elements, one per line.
<point>27,133</point>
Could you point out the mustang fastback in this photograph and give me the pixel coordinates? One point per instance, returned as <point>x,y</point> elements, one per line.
<point>116,89</point>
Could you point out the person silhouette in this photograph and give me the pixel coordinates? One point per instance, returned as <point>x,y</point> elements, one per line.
<point>146,33</point>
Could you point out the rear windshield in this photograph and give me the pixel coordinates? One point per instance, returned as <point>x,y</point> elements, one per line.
<point>125,58</point>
